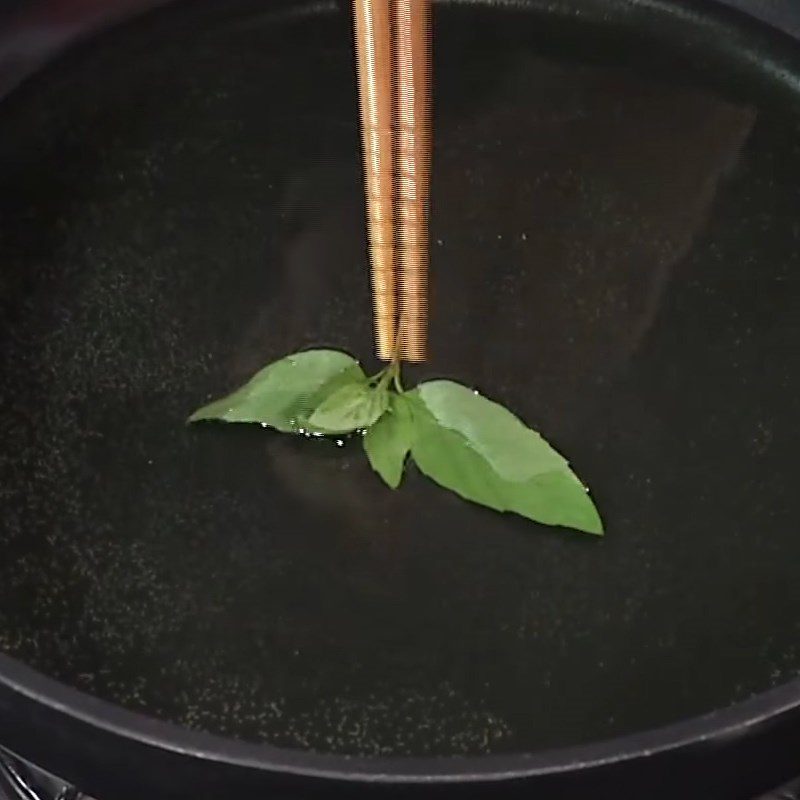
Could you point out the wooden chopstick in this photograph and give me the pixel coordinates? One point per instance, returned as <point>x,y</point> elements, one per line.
<point>374,66</point>
<point>411,33</point>
<point>393,47</point>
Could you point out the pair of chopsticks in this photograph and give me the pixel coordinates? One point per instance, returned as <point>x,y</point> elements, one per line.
<point>393,49</point>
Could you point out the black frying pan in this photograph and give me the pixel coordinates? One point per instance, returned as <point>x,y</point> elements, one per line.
<point>206,612</point>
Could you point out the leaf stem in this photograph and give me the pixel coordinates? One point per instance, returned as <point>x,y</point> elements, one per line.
<point>378,376</point>
<point>386,377</point>
<point>391,372</point>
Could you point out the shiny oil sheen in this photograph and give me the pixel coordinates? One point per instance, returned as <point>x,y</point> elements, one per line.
<point>614,256</point>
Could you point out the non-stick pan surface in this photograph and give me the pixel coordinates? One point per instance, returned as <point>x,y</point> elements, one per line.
<point>615,248</point>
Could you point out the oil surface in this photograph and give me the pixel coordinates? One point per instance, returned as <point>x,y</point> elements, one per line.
<point>614,257</point>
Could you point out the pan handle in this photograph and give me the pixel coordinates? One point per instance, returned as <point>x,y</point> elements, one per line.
<point>20,781</point>
<point>791,791</point>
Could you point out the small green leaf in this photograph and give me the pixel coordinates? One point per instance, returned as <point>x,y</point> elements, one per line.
<point>554,497</point>
<point>285,391</point>
<point>351,408</point>
<point>388,441</point>
<point>515,451</point>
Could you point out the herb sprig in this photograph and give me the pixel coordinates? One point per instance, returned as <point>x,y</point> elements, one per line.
<point>457,437</point>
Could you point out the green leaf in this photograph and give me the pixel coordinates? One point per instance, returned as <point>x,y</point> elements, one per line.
<point>514,451</point>
<point>351,408</point>
<point>448,457</point>
<point>286,391</point>
<point>388,441</point>
<point>463,441</point>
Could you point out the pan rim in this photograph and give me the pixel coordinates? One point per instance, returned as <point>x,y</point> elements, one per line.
<point>120,722</point>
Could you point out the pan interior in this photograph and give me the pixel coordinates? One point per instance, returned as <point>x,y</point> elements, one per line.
<point>614,257</point>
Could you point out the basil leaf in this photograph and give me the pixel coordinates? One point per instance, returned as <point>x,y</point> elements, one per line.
<point>514,451</point>
<point>388,441</point>
<point>286,391</point>
<point>554,497</point>
<point>558,498</point>
<point>352,407</point>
